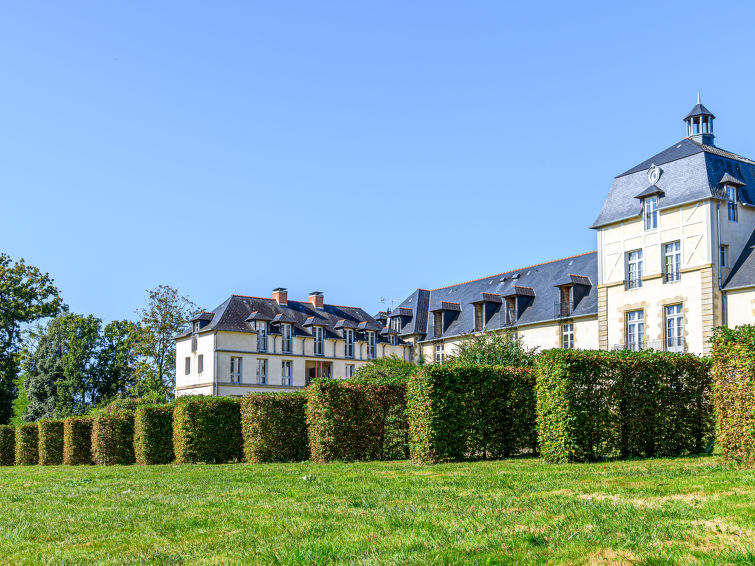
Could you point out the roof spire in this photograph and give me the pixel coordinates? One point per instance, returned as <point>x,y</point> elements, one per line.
<point>698,97</point>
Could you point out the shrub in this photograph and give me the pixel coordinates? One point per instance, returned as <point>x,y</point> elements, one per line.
<point>207,429</point>
<point>385,371</point>
<point>27,444</point>
<point>734,387</point>
<point>274,426</point>
<point>594,405</point>
<point>153,434</point>
<point>7,445</point>
<point>113,438</point>
<point>77,441</point>
<point>350,420</point>
<point>50,442</point>
<point>466,411</point>
<point>493,349</point>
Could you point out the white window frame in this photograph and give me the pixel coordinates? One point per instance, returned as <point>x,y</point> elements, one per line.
<point>650,212</point>
<point>261,371</point>
<point>287,372</point>
<point>439,353</point>
<point>567,336</point>
<point>286,338</point>
<point>348,338</point>
<point>635,330</point>
<point>396,323</point>
<point>317,334</point>
<point>672,262</point>
<point>261,336</point>
<point>350,368</point>
<point>634,267</point>
<point>187,365</point>
<point>236,369</point>
<point>674,327</point>
<point>371,345</point>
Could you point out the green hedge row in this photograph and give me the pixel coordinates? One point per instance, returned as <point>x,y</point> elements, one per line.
<point>274,427</point>
<point>468,411</point>
<point>153,434</point>
<point>27,444</point>
<point>594,405</point>
<point>50,442</point>
<point>113,438</point>
<point>207,429</point>
<point>77,441</point>
<point>7,445</point>
<point>734,387</point>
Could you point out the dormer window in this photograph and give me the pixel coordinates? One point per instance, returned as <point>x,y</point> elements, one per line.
<point>650,212</point>
<point>731,195</point>
<point>261,336</point>
<point>318,336</point>
<point>286,338</point>
<point>396,323</point>
<point>478,317</point>
<point>371,341</point>
<point>348,336</point>
<point>437,323</point>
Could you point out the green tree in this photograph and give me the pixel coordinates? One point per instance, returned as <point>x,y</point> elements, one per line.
<point>493,348</point>
<point>26,295</point>
<point>116,363</point>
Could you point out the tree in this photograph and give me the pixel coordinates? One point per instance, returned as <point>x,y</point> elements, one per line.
<point>116,363</point>
<point>493,348</point>
<point>26,295</point>
<point>167,314</point>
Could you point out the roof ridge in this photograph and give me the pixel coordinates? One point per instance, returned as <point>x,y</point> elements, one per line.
<point>719,150</point>
<point>513,270</point>
<point>291,301</point>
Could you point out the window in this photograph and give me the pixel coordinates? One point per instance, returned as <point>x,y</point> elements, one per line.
<point>286,373</point>
<point>348,336</point>
<point>200,363</point>
<point>567,335</point>
<point>510,311</point>
<point>634,269</point>
<point>438,323</point>
<point>651,213</point>
<point>478,317</point>
<point>262,372</point>
<point>635,330</point>
<point>286,338</point>
<point>317,333</point>
<point>349,370</point>
<point>235,370</point>
<point>439,353</point>
<point>396,323</point>
<point>672,262</point>
<point>723,255</point>
<point>187,366</point>
<point>394,339</point>
<point>565,302</point>
<point>370,345</point>
<point>193,342</point>
<point>262,336</point>
<point>674,328</point>
<point>731,194</point>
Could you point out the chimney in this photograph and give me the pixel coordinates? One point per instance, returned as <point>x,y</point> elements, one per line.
<point>281,296</point>
<point>316,299</point>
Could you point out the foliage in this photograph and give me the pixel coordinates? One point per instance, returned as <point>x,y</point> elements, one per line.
<point>593,405</point>
<point>351,420</point>
<point>207,429</point>
<point>153,434</point>
<point>113,438</point>
<point>131,403</point>
<point>27,444</point>
<point>734,392</point>
<point>385,371</point>
<point>50,442</point>
<point>274,426</point>
<point>493,349</point>
<point>7,445</point>
<point>465,411</point>
<point>26,295</point>
<point>77,441</point>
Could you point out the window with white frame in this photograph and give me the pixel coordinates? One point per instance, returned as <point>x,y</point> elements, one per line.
<point>317,334</point>
<point>193,342</point>
<point>672,262</point>
<point>286,372</point>
<point>371,344</point>
<point>651,212</point>
<point>634,269</point>
<point>286,338</point>
<point>396,323</point>
<point>731,194</point>
<point>200,363</point>
<point>724,255</point>
<point>567,335</point>
<point>674,328</point>
<point>187,366</point>
<point>235,370</point>
<point>438,353</point>
<point>261,336</point>
<point>635,330</point>
<point>348,336</point>
<point>349,370</point>
<point>262,371</point>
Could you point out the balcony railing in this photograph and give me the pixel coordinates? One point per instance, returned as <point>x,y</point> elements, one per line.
<point>562,309</point>
<point>669,345</point>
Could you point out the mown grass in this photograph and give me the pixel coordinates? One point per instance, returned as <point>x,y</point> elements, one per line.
<point>688,510</point>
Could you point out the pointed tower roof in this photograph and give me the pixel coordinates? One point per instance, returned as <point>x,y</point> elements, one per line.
<point>699,110</point>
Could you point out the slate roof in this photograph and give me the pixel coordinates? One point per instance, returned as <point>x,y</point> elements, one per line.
<point>699,110</point>
<point>743,271</point>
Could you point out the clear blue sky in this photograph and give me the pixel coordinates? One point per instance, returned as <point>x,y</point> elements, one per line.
<point>361,149</point>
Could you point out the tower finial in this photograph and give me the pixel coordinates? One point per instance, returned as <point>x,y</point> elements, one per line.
<point>698,97</point>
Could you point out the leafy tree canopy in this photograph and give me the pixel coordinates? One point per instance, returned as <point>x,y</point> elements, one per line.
<point>493,348</point>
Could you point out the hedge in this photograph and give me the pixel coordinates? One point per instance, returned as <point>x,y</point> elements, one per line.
<point>595,405</point>
<point>274,426</point>
<point>356,421</point>
<point>77,441</point>
<point>50,442</point>
<point>734,393</point>
<point>7,445</point>
<point>27,444</point>
<point>153,434</point>
<point>463,411</point>
<point>207,429</point>
<point>113,438</point>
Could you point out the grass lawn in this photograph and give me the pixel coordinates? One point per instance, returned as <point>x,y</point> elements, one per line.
<point>688,510</point>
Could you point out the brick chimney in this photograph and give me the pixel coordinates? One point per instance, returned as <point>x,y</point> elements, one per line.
<point>316,299</point>
<point>281,296</point>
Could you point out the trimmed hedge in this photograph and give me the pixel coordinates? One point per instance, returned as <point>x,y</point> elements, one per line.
<point>734,387</point>
<point>7,445</point>
<point>50,442</point>
<point>594,405</point>
<point>274,426</point>
<point>113,438</point>
<point>353,421</point>
<point>77,441</point>
<point>464,411</point>
<point>27,444</point>
<point>207,429</point>
<point>153,434</point>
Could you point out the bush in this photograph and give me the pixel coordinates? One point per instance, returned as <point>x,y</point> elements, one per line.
<point>351,420</point>
<point>77,441</point>
<point>153,434</point>
<point>50,442</point>
<point>113,438</point>
<point>385,371</point>
<point>594,405</point>
<point>493,349</point>
<point>7,445</point>
<point>274,426</point>
<point>27,444</point>
<point>207,429</point>
<point>734,387</point>
<point>466,411</point>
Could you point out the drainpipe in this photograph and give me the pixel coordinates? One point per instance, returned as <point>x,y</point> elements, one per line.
<point>215,366</point>
<point>724,305</point>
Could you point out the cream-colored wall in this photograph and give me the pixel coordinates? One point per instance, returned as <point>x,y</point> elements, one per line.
<point>183,350</point>
<point>734,234</point>
<point>741,307</point>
